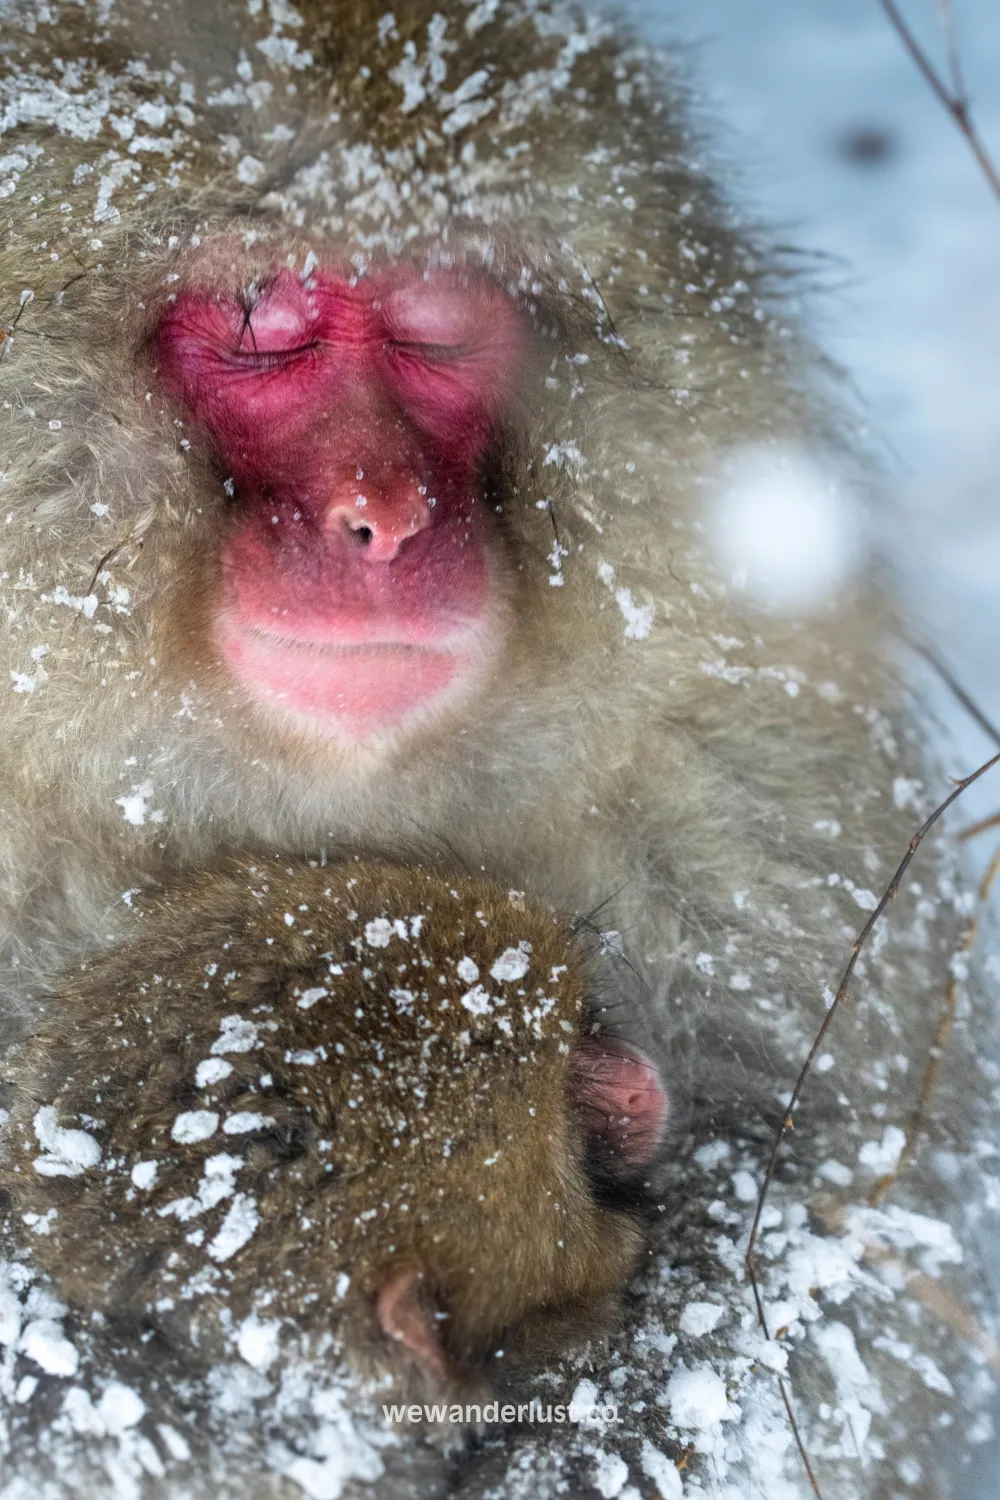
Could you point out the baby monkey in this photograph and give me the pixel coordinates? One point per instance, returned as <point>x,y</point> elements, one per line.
<point>357,1109</point>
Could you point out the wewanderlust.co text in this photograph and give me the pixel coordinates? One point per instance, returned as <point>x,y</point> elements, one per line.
<point>494,1412</point>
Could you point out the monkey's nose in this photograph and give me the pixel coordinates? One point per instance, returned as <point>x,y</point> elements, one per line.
<point>377,522</point>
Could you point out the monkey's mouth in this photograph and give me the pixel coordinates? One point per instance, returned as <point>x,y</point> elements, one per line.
<point>352,692</point>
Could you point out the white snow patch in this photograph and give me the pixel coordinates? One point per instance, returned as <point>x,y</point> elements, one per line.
<point>135,806</point>
<point>120,1408</point>
<point>883,1156</point>
<point>698,1403</point>
<point>194,1125</point>
<point>211,1070</point>
<point>44,1342</point>
<point>310,997</point>
<point>257,1342</point>
<point>858,1395</point>
<point>237,1228</point>
<point>69,1152</point>
<point>638,617</point>
<point>699,1318</point>
<point>657,1467</point>
<point>235,1035</point>
<point>906,1231</point>
<point>378,934</point>
<point>512,965</point>
<point>241,1121</point>
<point>609,1475</point>
<point>477,1000</point>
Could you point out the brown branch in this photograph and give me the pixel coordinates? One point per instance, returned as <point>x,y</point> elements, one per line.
<point>951,97</point>
<point>788,1120</point>
<point>974,829</point>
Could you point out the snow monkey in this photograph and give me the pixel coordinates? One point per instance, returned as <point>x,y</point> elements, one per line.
<point>351,1103</point>
<point>370,377</point>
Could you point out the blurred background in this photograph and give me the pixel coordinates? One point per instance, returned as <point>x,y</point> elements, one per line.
<point>824,130</point>
<point>822,127</point>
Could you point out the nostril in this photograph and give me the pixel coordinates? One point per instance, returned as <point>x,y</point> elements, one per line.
<point>377,531</point>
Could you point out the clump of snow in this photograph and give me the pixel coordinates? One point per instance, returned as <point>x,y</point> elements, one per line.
<point>836,1172</point>
<point>44,1341</point>
<point>477,1000</point>
<point>932,1239</point>
<point>378,934</point>
<point>68,1152</point>
<point>257,1342</point>
<point>237,1228</point>
<point>745,1186</point>
<point>699,1318</point>
<point>218,1182</point>
<point>211,1070</point>
<point>698,1403</point>
<point>86,606</point>
<point>883,1156</point>
<point>512,964</point>
<point>788,531</point>
<point>638,617</point>
<point>194,1125</point>
<point>339,1449</point>
<point>135,806</point>
<point>858,1394</point>
<point>657,1467</point>
<point>235,1035</point>
<point>311,997</point>
<point>609,1475</point>
<point>584,1399</point>
<point>120,1407</point>
<point>241,1121</point>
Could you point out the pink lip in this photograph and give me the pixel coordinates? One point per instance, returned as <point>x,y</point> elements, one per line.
<point>351,693</point>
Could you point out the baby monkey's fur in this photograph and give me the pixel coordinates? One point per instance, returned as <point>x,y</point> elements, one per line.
<point>298,1087</point>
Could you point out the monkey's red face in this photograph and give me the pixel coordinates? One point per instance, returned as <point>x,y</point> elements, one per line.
<point>359,587</point>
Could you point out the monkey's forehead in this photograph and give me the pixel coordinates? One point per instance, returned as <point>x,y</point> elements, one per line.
<point>391,132</point>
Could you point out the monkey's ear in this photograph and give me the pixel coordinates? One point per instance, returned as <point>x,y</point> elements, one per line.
<point>619,1096</point>
<point>405,1313</point>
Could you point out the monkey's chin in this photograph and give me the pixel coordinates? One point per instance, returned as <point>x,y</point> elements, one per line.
<point>353,695</point>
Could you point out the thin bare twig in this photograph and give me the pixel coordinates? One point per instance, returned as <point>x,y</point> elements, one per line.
<point>788,1119</point>
<point>972,708</point>
<point>952,97</point>
<point>953,685</point>
<point>936,1051</point>
<point>947,19</point>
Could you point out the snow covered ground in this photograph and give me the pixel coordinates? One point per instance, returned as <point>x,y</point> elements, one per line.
<point>828,134</point>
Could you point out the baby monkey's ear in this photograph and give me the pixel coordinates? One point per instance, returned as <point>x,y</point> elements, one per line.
<point>618,1095</point>
<point>404,1311</point>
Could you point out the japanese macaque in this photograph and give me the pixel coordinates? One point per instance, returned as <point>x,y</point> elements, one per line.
<point>370,379</point>
<point>352,1108</point>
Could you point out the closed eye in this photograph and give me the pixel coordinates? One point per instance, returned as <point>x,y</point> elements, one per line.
<point>262,360</point>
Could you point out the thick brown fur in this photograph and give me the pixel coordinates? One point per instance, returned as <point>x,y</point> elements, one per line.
<point>723,788</point>
<point>394,1130</point>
